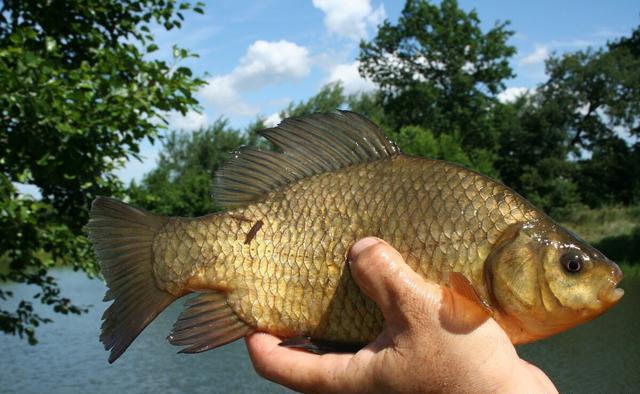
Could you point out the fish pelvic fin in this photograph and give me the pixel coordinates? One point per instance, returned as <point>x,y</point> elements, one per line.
<point>207,323</point>
<point>319,346</point>
<point>122,238</point>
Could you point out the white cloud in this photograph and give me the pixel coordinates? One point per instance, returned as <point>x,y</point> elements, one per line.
<point>351,18</point>
<point>265,63</point>
<point>189,122</point>
<point>511,94</point>
<point>539,55</point>
<point>351,79</point>
<point>272,120</point>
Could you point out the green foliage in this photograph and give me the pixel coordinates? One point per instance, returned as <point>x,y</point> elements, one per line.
<point>599,92</point>
<point>533,151</point>
<point>437,69</point>
<point>564,143</point>
<point>610,175</point>
<point>77,94</point>
<point>414,140</point>
<point>331,97</point>
<point>328,99</point>
<point>180,185</point>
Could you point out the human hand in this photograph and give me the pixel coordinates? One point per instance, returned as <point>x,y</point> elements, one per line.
<point>414,353</point>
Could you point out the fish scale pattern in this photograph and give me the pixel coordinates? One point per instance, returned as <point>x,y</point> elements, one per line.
<point>291,278</point>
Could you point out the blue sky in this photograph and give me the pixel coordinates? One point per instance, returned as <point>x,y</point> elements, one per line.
<point>261,55</point>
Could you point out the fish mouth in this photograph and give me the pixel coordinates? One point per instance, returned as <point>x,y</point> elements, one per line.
<point>612,297</point>
<point>613,294</point>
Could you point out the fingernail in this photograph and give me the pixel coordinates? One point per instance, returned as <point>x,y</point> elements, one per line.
<point>361,245</point>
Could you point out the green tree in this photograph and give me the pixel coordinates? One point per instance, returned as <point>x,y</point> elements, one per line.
<point>610,175</point>
<point>599,91</point>
<point>328,99</point>
<point>594,96</point>
<point>415,140</point>
<point>181,183</point>
<point>78,92</point>
<point>533,152</point>
<point>437,69</point>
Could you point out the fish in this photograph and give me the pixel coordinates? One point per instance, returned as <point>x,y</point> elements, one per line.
<point>275,259</point>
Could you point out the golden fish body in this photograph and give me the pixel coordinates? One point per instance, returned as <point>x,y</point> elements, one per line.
<point>278,263</point>
<point>291,278</point>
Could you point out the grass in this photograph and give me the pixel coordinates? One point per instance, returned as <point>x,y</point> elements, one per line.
<point>614,230</point>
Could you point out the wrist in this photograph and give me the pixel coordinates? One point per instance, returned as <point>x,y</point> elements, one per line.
<point>524,380</point>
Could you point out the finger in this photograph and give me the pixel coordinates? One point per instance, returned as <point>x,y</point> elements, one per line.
<point>382,274</point>
<point>296,369</point>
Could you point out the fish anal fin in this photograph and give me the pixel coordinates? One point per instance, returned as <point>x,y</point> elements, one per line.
<point>207,323</point>
<point>463,309</point>
<point>318,346</point>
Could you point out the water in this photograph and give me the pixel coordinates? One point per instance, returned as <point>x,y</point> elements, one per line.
<point>601,356</point>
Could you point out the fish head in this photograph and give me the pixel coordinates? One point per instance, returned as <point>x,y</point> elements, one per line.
<point>545,280</point>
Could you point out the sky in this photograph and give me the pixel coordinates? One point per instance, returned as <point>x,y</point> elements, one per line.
<point>258,56</point>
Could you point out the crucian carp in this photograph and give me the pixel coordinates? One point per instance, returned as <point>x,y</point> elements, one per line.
<point>275,260</point>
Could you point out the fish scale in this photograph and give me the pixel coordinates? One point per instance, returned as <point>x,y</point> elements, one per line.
<point>276,260</point>
<point>309,292</point>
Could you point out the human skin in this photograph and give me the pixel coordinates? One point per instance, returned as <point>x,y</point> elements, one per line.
<point>415,353</point>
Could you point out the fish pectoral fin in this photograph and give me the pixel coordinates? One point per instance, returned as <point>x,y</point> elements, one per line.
<point>463,309</point>
<point>463,286</point>
<point>320,346</point>
<point>206,323</point>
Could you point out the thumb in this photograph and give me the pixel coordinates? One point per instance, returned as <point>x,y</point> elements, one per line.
<point>384,276</point>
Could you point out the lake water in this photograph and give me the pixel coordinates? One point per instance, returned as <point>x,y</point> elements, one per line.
<point>601,356</point>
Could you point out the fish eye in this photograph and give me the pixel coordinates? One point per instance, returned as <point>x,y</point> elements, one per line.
<point>571,262</point>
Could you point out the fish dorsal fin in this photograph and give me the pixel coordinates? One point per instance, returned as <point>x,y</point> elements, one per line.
<point>309,145</point>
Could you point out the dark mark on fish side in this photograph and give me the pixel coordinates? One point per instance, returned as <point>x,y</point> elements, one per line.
<point>254,230</point>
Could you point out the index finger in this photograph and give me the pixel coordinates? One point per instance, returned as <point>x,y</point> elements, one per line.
<point>296,369</point>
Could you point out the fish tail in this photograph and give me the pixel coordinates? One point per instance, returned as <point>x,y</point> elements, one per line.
<point>122,238</point>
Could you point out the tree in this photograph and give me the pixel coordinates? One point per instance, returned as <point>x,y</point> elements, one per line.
<point>610,175</point>
<point>599,91</point>
<point>596,94</point>
<point>181,183</point>
<point>533,152</point>
<point>328,99</point>
<point>437,69</point>
<point>78,92</point>
<point>415,140</point>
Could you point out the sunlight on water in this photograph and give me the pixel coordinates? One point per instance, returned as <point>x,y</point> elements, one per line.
<point>602,356</point>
